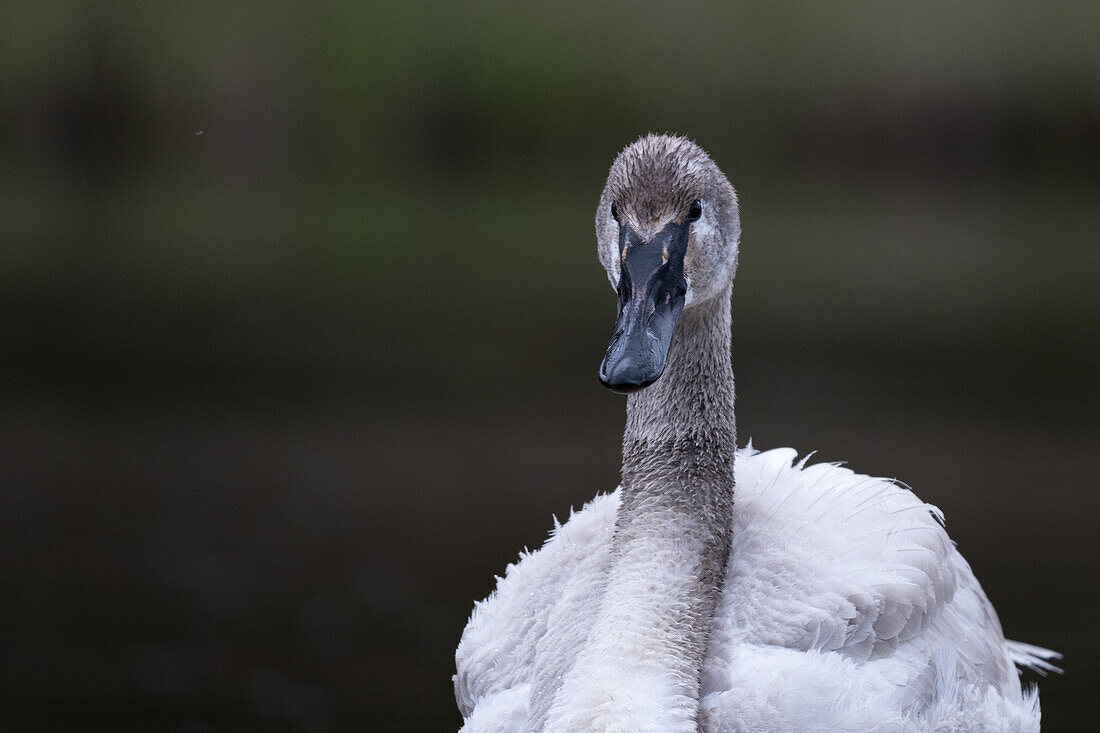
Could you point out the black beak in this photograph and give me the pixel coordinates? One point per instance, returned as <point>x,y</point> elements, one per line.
<point>651,295</point>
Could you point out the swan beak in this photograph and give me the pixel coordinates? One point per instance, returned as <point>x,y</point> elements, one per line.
<point>651,296</point>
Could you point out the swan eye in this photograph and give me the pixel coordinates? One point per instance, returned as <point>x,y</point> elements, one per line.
<point>695,211</point>
<point>615,212</point>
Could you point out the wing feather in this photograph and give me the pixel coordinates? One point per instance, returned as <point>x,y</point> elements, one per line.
<point>845,604</point>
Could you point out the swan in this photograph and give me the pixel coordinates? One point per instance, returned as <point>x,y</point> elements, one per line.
<point>717,588</point>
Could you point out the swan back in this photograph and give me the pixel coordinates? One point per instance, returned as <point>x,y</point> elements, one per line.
<point>844,601</point>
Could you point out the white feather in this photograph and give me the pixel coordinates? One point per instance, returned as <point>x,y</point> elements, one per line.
<point>846,607</point>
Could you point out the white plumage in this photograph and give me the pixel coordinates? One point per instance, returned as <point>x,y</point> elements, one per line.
<point>720,589</point>
<point>846,607</point>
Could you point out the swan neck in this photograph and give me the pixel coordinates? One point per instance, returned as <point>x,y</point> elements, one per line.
<point>670,546</point>
<point>694,398</point>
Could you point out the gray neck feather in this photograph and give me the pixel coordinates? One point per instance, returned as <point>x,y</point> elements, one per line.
<point>668,558</point>
<point>685,420</point>
<point>678,453</point>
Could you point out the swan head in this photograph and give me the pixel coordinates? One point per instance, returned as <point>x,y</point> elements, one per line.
<point>667,230</point>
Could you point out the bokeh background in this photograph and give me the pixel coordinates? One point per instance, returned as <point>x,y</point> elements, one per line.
<point>301,317</point>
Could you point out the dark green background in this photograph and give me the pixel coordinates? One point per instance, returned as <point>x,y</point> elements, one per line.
<point>301,319</point>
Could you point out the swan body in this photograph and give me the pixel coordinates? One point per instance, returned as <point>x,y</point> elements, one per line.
<point>845,608</point>
<point>720,589</point>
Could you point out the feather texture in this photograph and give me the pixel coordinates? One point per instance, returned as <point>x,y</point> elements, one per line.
<point>726,590</point>
<point>845,607</point>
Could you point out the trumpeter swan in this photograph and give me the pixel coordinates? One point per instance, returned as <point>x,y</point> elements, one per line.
<point>720,589</point>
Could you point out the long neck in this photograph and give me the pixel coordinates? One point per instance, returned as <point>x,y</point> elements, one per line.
<point>640,667</point>
<point>692,401</point>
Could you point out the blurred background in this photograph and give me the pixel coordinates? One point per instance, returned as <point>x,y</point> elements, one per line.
<point>301,317</point>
